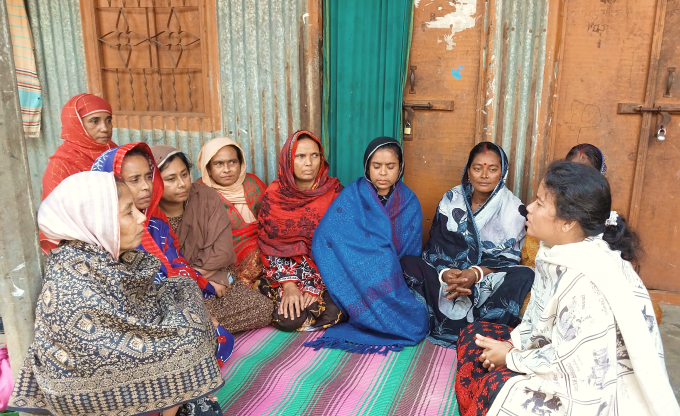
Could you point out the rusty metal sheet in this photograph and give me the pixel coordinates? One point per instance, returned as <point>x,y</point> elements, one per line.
<point>515,56</point>
<point>60,60</point>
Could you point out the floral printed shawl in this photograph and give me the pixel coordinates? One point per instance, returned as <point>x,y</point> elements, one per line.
<point>108,341</point>
<point>491,237</point>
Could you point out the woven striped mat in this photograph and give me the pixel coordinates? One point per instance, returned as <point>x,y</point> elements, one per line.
<point>271,373</point>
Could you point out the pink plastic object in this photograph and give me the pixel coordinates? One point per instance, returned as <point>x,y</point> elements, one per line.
<point>6,380</point>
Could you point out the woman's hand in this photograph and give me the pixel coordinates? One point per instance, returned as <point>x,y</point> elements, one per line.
<point>308,299</point>
<point>220,290</point>
<point>291,301</point>
<point>459,282</point>
<point>494,353</point>
<point>214,321</point>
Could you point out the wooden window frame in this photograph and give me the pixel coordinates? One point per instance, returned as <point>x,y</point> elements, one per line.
<point>165,120</point>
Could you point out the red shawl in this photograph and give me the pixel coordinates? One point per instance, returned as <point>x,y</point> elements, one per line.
<point>289,215</point>
<point>245,234</point>
<point>78,151</point>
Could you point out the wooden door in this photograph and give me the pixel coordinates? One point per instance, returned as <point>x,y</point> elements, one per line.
<point>618,52</point>
<point>446,57</point>
<point>655,211</point>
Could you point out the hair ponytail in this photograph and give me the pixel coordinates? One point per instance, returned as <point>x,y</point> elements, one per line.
<point>582,194</point>
<point>624,239</point>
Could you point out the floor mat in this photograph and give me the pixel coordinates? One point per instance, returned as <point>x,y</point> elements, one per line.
<point>271,373</point>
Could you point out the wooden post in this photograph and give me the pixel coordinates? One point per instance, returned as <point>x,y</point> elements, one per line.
<point>20,274</point>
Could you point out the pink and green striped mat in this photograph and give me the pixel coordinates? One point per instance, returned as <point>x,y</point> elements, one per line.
<point>271,373</point>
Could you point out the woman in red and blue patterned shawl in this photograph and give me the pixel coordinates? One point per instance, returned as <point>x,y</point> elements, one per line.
<point>134,164</point>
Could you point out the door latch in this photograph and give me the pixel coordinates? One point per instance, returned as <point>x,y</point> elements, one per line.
<point>409,108</point>
<point>664,110</point>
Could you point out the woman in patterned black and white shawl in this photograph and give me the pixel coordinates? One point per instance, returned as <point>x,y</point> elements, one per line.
<point>469,268</point>
<point>589,343</point>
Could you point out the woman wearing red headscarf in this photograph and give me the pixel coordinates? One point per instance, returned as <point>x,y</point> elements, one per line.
<point>291,209</point>
<point>86,131</point>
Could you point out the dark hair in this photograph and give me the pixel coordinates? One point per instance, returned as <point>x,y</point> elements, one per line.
<point>587,151</point>
<point>582,194</point>
<point>483,147</point>
<point>395,148</point>
<point>179,155</point>
<point>238,153</point>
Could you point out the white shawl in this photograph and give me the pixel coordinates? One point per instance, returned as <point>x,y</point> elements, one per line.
<point>83,207</point>
<point>552,364</point>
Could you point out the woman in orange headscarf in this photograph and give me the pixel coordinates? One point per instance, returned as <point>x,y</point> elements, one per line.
<point>86,129</point>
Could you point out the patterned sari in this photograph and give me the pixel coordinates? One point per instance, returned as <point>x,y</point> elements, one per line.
<point>108,341</point>
<point>248,263</point>
<point>107,338</point>
<point>588,344</point>
<point>492,236</point>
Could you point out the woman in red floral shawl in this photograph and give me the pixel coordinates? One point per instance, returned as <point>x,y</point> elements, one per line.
<point>291,209</point>
<point>86,131</point>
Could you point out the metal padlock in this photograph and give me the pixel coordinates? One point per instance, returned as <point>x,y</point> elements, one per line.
<point>407,129</point>
<point>661,134</point>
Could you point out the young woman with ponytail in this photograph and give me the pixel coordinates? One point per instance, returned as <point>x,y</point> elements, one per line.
<point>588,343</point>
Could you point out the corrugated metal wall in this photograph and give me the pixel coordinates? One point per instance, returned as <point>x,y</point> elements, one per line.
<point>515,59</point>
<point>60,61</point>
<point>269,53</point>
<point>270,75</point>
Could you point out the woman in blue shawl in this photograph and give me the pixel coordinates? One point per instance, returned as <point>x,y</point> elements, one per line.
<point>357,246</point>
<point>469,270</point>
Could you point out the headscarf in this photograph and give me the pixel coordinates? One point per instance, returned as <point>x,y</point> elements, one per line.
<point>289,215</point>
<point>492,236</point>
<point>158,231</point>
<point>234,193</point>
<point>161,153</point>
<point>83,207</point>
<point>373,146</point>
<point>112,161</point>
<point>79,150</point>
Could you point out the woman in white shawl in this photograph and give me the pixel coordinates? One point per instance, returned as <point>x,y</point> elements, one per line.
<point>108,341</point>
<point>589,343</point>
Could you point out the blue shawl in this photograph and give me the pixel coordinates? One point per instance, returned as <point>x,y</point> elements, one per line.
<point>357,246</point>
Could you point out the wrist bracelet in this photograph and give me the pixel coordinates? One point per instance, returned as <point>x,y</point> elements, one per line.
<point>481,273</point>
<point>440,275</point>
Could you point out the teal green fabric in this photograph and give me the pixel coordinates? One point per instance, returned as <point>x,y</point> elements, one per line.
<point>366,46</point>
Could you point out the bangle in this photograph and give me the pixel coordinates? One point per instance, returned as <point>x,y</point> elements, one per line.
<point>481,273</point>
<point>440,275</point>
<point>476,274</point>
